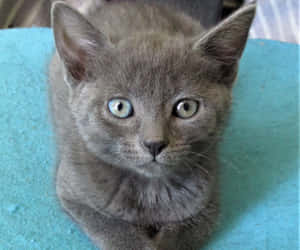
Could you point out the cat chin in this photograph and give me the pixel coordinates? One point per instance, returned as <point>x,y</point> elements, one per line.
<point>151,169</point>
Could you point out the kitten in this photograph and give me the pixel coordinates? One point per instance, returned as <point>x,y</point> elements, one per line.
<point>139,95</point>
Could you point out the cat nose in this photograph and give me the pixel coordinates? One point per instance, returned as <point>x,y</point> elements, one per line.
<point>155,147</point>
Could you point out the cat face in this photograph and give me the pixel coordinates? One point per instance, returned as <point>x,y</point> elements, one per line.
<point>148,112</point>
<point>152,104</point>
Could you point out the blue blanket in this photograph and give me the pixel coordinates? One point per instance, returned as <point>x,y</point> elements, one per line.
<point>259,179</point>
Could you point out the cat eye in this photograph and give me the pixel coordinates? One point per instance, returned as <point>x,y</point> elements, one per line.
<point>185,109</point>
<point>120,108</point>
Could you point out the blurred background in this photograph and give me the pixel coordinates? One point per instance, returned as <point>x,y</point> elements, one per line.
<point>26,13</point>
<point>275,19</point>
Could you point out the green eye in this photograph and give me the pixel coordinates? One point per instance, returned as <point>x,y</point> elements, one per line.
<point>185,109</point>
<point>120,108</point>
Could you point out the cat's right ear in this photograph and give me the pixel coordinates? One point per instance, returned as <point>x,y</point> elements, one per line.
<point>77,41</point>
<point>225,42</point>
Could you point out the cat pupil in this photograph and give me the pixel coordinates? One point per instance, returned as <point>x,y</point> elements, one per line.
<point>120,106</point>
<point>186,106</point>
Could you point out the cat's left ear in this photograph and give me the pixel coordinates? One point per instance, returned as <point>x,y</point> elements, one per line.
<point>225,43</point>
<point>77,41</point>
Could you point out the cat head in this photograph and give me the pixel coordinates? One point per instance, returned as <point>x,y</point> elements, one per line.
<point>154,104</point>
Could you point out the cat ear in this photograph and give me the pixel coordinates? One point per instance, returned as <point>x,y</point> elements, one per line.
<point>77,42</point>
<point>225,43</point>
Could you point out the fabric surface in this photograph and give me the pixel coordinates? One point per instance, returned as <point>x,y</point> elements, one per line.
<point>259,180</point>
<point>277,20</point>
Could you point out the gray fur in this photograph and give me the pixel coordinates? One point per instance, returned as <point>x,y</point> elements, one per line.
<point>153,56</point>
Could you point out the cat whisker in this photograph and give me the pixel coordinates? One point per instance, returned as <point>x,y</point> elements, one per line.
<point>198,166</point>
<point>185,164</point>
<point>197,154</point>
<point>205,171</point>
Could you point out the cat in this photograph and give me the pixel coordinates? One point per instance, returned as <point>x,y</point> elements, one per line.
<point>140,93</point>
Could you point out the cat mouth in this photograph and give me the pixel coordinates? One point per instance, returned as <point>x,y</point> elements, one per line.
<point>151,164</point>
<point>154,159</point>
<point>152,168</point>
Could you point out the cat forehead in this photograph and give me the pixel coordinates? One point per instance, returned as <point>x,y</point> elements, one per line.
<point>171,67</point>
<point>155,67</point>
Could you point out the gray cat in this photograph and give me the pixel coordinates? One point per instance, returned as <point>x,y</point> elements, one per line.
<point>139,95</point>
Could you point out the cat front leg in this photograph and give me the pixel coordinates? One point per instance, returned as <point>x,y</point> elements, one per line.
<point>107,233</point>
<point>191,234</point>
<point>182,238</point>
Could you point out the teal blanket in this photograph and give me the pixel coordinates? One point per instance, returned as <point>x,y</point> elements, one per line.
<point>259,179</point>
